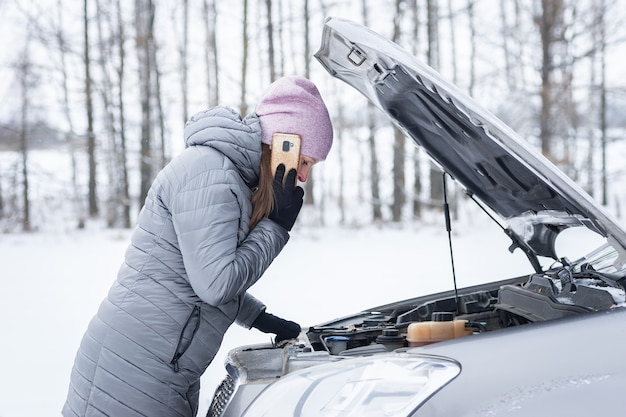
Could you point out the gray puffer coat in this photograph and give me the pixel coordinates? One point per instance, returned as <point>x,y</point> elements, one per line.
<point>184,279</point>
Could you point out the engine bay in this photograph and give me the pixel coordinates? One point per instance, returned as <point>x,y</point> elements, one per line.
<point>539,297</point>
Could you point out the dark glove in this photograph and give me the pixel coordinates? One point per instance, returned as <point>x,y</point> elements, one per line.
<point>283,329</point>
<point>287,199</point>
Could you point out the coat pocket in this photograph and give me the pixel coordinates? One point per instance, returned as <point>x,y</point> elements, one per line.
<point>186,335</point>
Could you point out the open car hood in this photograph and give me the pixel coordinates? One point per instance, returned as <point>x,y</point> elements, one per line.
<point>534,199</point>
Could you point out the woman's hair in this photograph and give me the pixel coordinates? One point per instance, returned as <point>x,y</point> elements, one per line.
<point>263,197</point>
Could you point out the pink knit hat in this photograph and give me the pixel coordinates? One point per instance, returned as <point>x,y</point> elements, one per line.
<point>294,105</point>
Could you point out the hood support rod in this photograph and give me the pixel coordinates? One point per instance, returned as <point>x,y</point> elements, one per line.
<point>446,211</point>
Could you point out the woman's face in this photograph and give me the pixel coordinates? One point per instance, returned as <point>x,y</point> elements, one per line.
<point>306,163</point>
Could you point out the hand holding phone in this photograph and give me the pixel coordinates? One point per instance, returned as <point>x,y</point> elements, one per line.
<point>287,200</point>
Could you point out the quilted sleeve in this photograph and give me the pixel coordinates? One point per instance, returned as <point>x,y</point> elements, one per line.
<point>206,219</point>
<point>249,310</point>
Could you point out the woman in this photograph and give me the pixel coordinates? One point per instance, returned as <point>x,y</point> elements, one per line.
<point>213,221</point>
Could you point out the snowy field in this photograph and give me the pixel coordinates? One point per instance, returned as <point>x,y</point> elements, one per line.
<point>52,284</point>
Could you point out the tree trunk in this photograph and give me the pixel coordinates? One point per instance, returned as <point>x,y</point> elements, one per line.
<point>340,151</point>
<point>549,21</point>
<point>144,18</point>
<point>106,93</point>
<point>77,199</point>
<point>160,114</point>
<point>216,61</point>
<point>2,211</point>
<point>603,105</point>
<point>307,41</point>
<point>91,138</point>
<point>184,67</point>
<point>309,186</point>
<point>309,195</point>
<point>281,40</point>
<point>399,193</point>
<point>520,49</point>
<point>270,41</point>
<point>243,106</point>
<point>123,161</point>
<point>417,178</point>
<point>377,213</point>
<point>432,9</point>
<point>25,73</point>
<point>472,28</point>
<point>452,20</point>
<point>210,50</point>
<point>26,223</point>
<point>506,50</point>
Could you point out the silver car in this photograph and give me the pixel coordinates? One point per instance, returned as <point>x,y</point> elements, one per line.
<point>551,342</point>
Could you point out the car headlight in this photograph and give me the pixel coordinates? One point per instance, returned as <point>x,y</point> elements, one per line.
<point>385,385</point>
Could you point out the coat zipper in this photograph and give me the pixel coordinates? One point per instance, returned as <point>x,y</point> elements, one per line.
<point>180,347</point>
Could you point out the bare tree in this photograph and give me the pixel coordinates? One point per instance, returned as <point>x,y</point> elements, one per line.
<point>520,46</point>
<point>144,22</point>
<point>589,160</point>
<point>270,41</point>
<point>417,153</point>
<point>377,214</point>
<point>307,40</point>
<point>340,124</point>
<point>309,196</point>
<point>121,78</point>
<point>432,24</point>
<point>281,39</point>
<point>399,182</point>
<point>603,102</point>
<point>211,62</point>
<point>550,23</point>
<point>26,76</point>
<point>505,30</point>
<point>105,89</point>
<point>243,104</point>
<point>559,23</point>
<point>472,60</point>
<point>160,113</point>
<point>91,136</point>
<point>111,60</point>
<point>184,67</point>
<point>70,136</point>
<point>452,21</point>
<point>514,41</point>
<point>2,210</point>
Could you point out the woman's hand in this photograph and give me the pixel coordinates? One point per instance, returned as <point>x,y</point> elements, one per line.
<point>283,329</point>
<point>287,199</point>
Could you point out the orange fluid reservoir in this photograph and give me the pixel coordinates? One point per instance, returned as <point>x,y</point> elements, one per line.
<point>443,326</point>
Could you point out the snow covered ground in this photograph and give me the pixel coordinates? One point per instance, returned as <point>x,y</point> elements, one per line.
<point>52,283</point>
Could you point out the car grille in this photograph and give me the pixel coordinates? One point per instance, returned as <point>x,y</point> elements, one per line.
<point>221,397</point>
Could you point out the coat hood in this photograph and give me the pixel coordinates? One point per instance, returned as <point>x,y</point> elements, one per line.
<point>223,129</point>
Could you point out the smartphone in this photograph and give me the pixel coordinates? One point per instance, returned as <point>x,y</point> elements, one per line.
<point>285,150</point>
